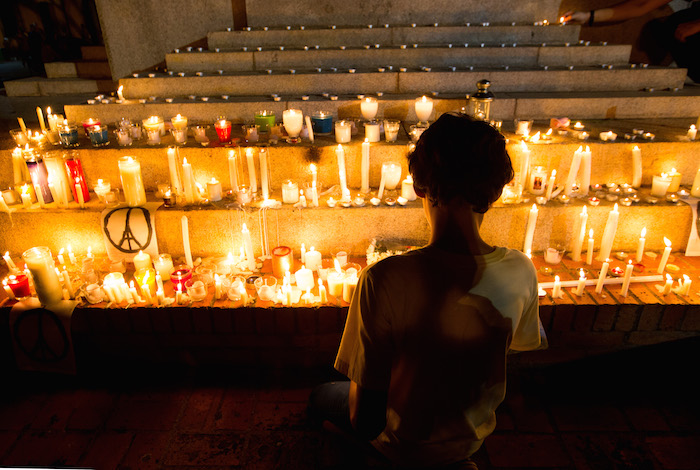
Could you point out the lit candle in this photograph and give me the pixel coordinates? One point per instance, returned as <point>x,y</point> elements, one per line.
<point>530,231</point>
<point>163,264</point>
<point>609,234</point>
<point>586,176</point>
<point>186,241</point>
<point>250,157</point>
<point>335,281</point>
<point>573,171</point>
<point>628,277</point>
<point>579,234</point>
<point>132,182</point>
<point>664,256</point>
<point>264,173</point>
<point>223,129</point>
<point>601,278</point>
<point>178,294</point>
<point>580,287</point>
<point>214,190</point>
<point>312,259</point>
<point>675,181</point>
<point>26,197</point>
<point>309,127</point>
<point>142,260</point>
<point>364,166</point>
<point>179,122</point>
<point>71,255</point>
<point>120,93</point>
<point>314,194</point>
<point>686,285</point>
<point>322,292</point>
<point>173,163</point>
<point>188,181</point>
<point>556,290</point>
<point>43,271</point>
<point>636,167</point>
<point>369,108</point>
<point>248,247</point>
<point>424,108</point>
<point>640,245</point>
<point>343,131</point>
<point>293,121</point>
<point>9,292</point>
<point>669,284</point>
<point>349,285</point>
<point>61,260</point>
<point>217,287</point>
<point>692,132</point>
<point>67,282</point>
<point>10,264</point>
<point>101,188</point>
<point>382,182</point>
<point>233,170</point>
<point>340,155</point>
<point>304,278</point>
<point>550,184</point>
<point>290,192</point>
<point>524,164</point>
<point>40,115</point>
<point>660,184</point>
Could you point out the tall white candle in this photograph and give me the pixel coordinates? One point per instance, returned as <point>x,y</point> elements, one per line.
<point>524,164</point>
<point>314,194</point>
<point>188,181</point>
<point>530,231</point>
<point>132,182</point>
<point>686,284</point>
<point>248,247</point>
<point>142,260</point>
<point>550,184</point>
<point>40,115</point>
<point>640,245</point>
<point>309,127</point>
<point>573,171</point>
<point>601,277</point>
<point>586,176</point>
<point>580,287</point>
<point>322,292</point>
<point>43,272</point>
<point>668,285</point>
<point>252,177</point>
<point>664,256</point>
<point>364,166</point>
<point>173,166</point>
<point>626,281</point>
<point>692,132</point>
<point>579,234</point>
<point>695,190</point>
<point>609,234</point>
<point>186,241</point>
<point>382,182</point>
<point>233,170</point>
<point>340,154</point>
<point>11,266</point>
<point>589,253</point>
<point>636,167</point>
<point>264,173</point>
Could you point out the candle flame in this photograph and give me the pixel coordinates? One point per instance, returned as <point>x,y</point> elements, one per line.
<point>667,242</point>
<point>249,151</point>
<point>668,277</point>
<point>312,167</point>
<point>554,173</point>
<point>615,208</point>
<point>557,279</point>
<point>692,127</point>
<point>337,265</point>
<point>184,160</point>
<point>686,278</point>
<point>590,233</point>
<point>549,132</point>
<point>523,145</point>
<point>584,210</point>
<point>534,208</point>
<point>582,274</point>
<point>244,229</point>
<point>644,232</point>
<point>536,137</point>
<point>629,262</point>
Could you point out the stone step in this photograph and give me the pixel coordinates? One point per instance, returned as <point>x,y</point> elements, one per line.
<point>383,57</point>
<point>305,82</point>
<point>39,86</point>
<point>393,36</point>
<point>94,69</point>
<point>506,106</point>
<point>98,53</point>
<point>379,12</point>
<point>60,70</point>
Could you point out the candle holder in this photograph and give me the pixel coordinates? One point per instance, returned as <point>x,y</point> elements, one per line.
<point>343,131</point>
<point>99,136</point>
<point>77,182</point>
<point>179,275</point>
<point>424,109</point>
<point>293,121</point>
<point>391,130</point>
<point>179,136</point>
<point>265,120</point>
<point>68,134</point>
<point>124,138</point>
<point>223,130</point>
<point>322,123</point>
<point>153,136</point>
<point>20,137</point>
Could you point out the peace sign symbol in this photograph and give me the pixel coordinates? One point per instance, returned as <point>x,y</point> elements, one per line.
<point>120,234</point>
<point>49,343</point>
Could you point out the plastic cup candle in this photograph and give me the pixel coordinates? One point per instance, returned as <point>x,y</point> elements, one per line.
<point>223,130</point>
<point>40,264</point>
<point>369,108</point>
<point>290,192</point>
<point>640,245</point>
<point>391,130</point>
<point>214,190</point>
<point>343,132</point>
<point>293,121</point>
<point>179,122</point>
<point>251,133</point>
<point>322,123</point>
<point>124,138</point>
<point>164,265</point>
<point>424,108</point>
<point>660,184</point>
<point>664,256</point>
<point>265,120</point>
<point>132,181</point>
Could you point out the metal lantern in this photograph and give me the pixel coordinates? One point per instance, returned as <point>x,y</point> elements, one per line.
<point>479,105</point>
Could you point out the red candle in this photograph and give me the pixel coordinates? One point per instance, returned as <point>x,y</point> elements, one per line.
<point>223,130</point>
<point>19,284</point>
<point>180,275</point>
<point>87,124</point>
<point>77,177</point>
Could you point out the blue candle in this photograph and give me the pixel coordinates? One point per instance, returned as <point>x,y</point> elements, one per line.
<point>40,178</point>
<point>99,136</point>
<point>322,123</point>
<point>68,135</point>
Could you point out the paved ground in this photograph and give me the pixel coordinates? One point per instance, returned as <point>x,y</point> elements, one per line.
<point>632,410</point>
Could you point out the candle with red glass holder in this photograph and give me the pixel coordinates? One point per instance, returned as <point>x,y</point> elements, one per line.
<point>19,284</point>
<point>88,123</point>
<point>77,178</point>
<point>179,275</point>
<point>223,130</point>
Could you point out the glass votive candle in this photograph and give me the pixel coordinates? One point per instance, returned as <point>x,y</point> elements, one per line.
<point>19,285</point>
<point>236,289</point>
<point>179,122</point>
<point>154,123</point>
<point>245,195</point>
<point>164,265</point>
<point>223,130</point>
<point>179,275</point>
<point>206,272</point>
<point>68,134</point>
<point>523,126</point>
<point>251,133</point>
<point>322,123</point>
<point>372,131</point>
<point>101,188</point>
<point>265,120</point>
<point>290,192</point>
<point>196,288</point>
<point>124,138</point>
<point>99,136</point>
<point>343,131</point>
<point>20,137</point>
<point>136,132</point>
<point>88,123</point>
<point>94,293</point>
<point>153,136</point>
<point>200,133</point>
<point>416,132</point>
<point>265,281</point>
<point>179,135</point>
<point>391,130</point>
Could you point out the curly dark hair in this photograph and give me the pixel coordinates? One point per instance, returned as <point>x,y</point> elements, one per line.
<point>461,157</point>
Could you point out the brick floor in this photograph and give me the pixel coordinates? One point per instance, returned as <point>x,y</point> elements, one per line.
<point>636,410</point>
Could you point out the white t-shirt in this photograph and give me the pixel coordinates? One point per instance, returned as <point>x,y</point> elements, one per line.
<point>433,329</point>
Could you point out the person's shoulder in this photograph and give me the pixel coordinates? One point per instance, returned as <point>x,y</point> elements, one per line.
<point>517,258</point>
<point>395,263</point>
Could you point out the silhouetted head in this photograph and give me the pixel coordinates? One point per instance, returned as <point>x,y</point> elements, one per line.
<point>460,157</point>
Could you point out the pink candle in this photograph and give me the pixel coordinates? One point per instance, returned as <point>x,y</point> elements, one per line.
<point>179,276</point>
<point>87,124</point>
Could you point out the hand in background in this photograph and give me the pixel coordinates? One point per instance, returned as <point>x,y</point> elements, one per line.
<point>685,30</point>
<point>576,17</point>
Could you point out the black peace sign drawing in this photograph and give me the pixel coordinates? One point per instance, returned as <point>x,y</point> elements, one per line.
<point>49,344</point>
<point>122,237</point>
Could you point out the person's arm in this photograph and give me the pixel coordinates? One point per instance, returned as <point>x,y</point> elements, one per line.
<point>367,410</point>
<point>685,30</point>
<point>620,12</point>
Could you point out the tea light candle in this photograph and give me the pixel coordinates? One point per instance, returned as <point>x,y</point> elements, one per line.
<point>608,136</point>
<point>601,277</point>
<point>530,231</point>
<point>343,131</point>
<point>214,190</point>
<point>664,256</point>
<point>369,108</point>
<point>660,184</point>
<point>424,108</point>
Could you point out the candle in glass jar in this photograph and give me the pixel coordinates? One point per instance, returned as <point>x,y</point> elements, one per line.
<point>660,184</point>
<point>293,121</point>
<point>179,122</point>
<point>369,108</point>
<point>304,278</point>
<point>343,131</point>
<point>424,108</point>
<point>76,175</point>
<point>349,285</point>
<point>214,190</point>
<point>179,275</point>
<point>372,133</point>
<point>163,264</point>
<point>132,181</point>
<point>322,123</point>
<point>40,264</point>
<point>233,170</point>
<point>609,234</point>
<point>223,130</point>
<point>265,119</point>
<point>290,192</point>
<point>19,285</point>
<point>282,261</point>
<point>675,181</point>
<point>88,123</point>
